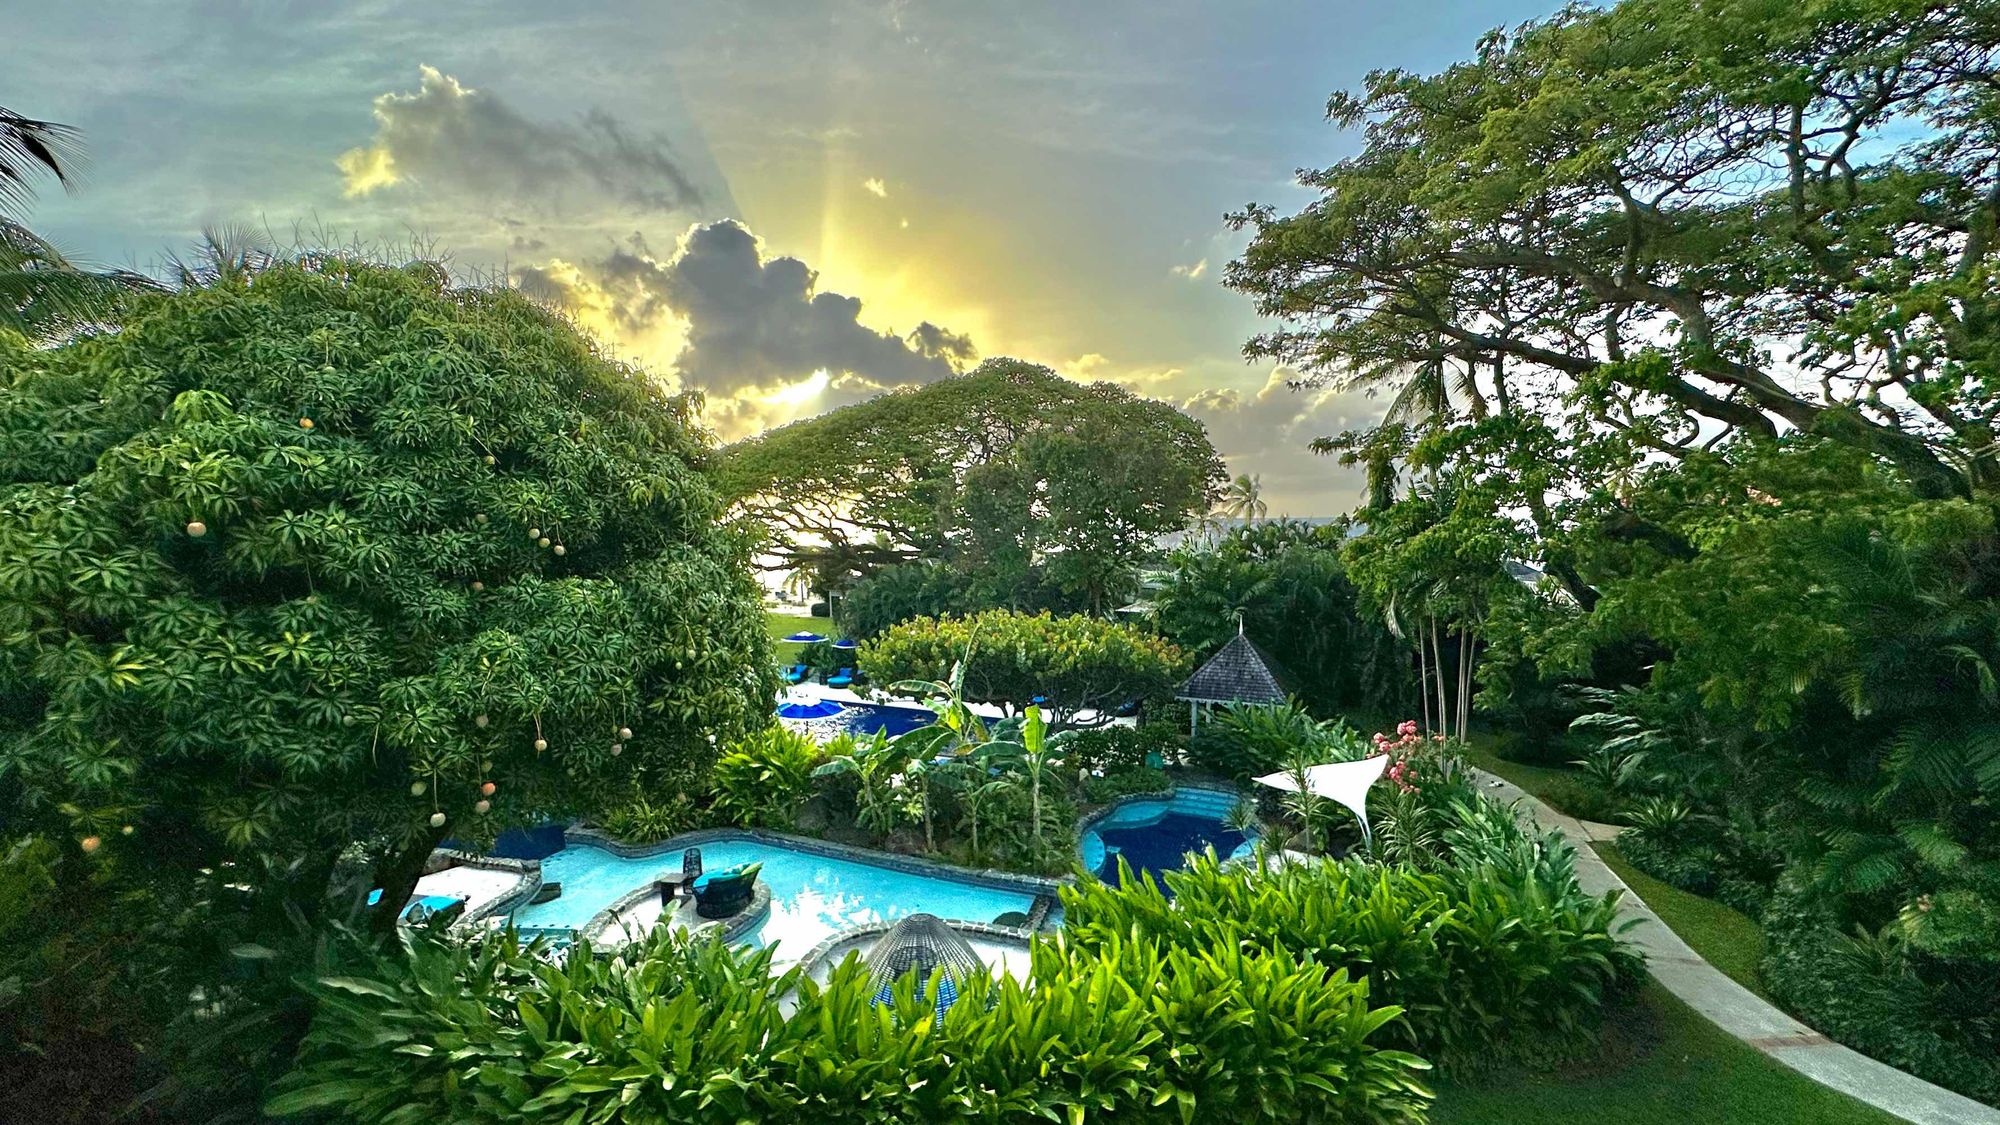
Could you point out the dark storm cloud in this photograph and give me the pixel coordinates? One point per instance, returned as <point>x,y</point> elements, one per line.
<point>448,137</point>
<point>751,321</point>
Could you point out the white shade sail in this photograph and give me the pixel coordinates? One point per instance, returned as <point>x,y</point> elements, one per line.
<point>1346,783</point>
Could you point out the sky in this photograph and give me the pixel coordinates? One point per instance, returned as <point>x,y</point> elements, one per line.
<point>790,205</point>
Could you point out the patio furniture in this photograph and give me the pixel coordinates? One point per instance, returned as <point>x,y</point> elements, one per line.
<point>797,674</point>
<point>441,910</point>
<point>725,893</point>
<point>842,678</point>
<point>690,866</point>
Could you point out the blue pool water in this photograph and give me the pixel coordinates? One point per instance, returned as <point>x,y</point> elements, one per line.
<point>812,896</point>
<point>1157,835</point>
<point>867,718</point>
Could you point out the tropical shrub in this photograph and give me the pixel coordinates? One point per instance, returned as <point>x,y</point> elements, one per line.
<point>1120,747</point>
<point>643,817</point>
<point>1242,741</point>
<point>687,1030</point>
<point>1077,663</point>
<point>1918,1004</point>
<point>1498,955</point>
<point>1124,782</point>
<point>764,777</point>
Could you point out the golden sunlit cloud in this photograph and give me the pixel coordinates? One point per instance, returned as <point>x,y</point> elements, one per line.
<point>805,390</point>
<point>1191,272</point>
<point>362,170</point>
<point>876,187</point>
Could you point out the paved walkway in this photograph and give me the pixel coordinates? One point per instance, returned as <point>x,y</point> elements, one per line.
<point>1743,1013</point>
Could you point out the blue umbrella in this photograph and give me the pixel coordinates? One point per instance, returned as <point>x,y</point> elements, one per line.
<point>845,643</point>
<point>806,638</point>
<point>818,709</point>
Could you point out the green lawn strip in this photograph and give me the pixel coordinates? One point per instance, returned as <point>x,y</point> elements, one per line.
<point>1725,938</point>
<point>1563,789</point>
<point>782,625</point>
<point>1663,1064</point>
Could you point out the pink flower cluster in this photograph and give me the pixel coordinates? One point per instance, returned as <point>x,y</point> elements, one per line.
<point>1399,751</point>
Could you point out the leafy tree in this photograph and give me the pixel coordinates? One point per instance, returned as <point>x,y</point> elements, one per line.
<point>995,472</point>
<point>1287,581</point>
<point>896,594</point>
<point>1075,663</point>
<point>348,557</point>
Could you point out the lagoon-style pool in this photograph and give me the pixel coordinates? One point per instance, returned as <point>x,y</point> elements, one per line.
<point>1156,834</point>
<point>812,896</point>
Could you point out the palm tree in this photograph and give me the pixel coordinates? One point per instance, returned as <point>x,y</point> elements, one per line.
<point>1244,498</point>
<point>30,149</point>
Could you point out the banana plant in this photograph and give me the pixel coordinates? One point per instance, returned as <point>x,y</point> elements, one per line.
<point>1025,748</point>
<point>875,762</point>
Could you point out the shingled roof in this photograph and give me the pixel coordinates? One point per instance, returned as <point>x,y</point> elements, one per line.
<point>1240,673</point>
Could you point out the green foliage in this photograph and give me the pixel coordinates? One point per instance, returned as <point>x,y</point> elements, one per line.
<point>645,818</point>
<point>763,778</point>
<point>687,1030</point>
<point>267,590</point>
<point>1121,747</point>
<point>1287,581</point>
<point>876,763</point>
<point>1498,956</point>
<point>896,594</point>
<point>1013,476</point>
<point>1881,992</point>
<point>1124,781</point>
<point>1079,663</point>
<point>1241,741</point>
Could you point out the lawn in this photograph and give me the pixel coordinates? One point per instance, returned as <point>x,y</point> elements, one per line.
<point>1726,938</point>
<point>782,625</point>
<point>1566,790</point>
<point>1663,1064</point>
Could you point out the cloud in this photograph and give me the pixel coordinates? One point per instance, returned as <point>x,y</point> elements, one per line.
<point>1266,431</point>
<point>1192,272</point>
<point>449,138</point>
<point>876,187</point>
<point>752,328</point>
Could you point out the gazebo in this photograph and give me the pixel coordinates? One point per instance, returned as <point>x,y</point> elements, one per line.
<point>1239,673</point>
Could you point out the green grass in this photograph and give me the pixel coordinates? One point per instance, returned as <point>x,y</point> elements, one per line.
<point>1726,938</point>
<point>1663,1064</point>
<point>782,625</point>
<point>1564,789</point>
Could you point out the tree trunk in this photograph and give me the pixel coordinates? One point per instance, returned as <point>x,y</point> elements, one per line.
<point>1464,681</point>
<point>1424,682</point>
<point>1437,670</point>
<point>397,875</point>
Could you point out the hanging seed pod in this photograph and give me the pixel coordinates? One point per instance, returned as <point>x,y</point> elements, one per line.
<point>196,529</point>
<point>486,790</point>
<point>534,533</point>
<point>89,844</point>
<point>482,807</point>
<point>624,733</point>
<point>541,744</point>
<point>480,721</point>
<point>559,550</point>
<point>437,820</point>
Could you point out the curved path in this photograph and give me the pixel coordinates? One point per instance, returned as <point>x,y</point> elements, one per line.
<point>1739,1011</point>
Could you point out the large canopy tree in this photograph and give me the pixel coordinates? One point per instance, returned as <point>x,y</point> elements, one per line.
<point>339,554</point>
<point>1690,218</point>
<point>1071,664</point>
<point>1004,468</point>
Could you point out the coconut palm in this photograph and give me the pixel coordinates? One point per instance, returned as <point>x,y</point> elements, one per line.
<point>31,149</point>
<point>1243,498</point>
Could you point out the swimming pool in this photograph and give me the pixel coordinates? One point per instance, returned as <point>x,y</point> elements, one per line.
<point>813,896</point>
<point>1156,834</point>
<point>860,719</point>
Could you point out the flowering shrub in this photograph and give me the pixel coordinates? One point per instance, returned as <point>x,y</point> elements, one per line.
<point>1412,756</point>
